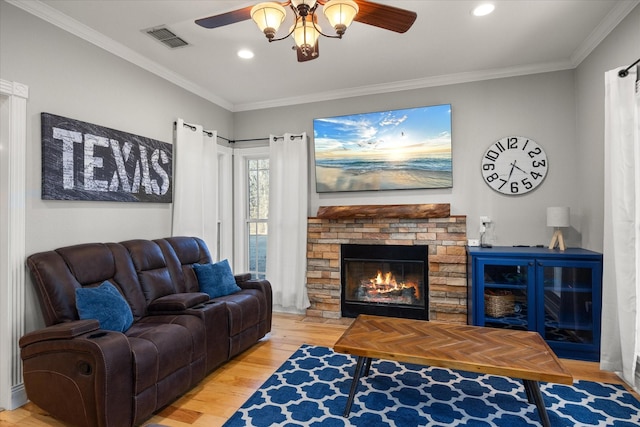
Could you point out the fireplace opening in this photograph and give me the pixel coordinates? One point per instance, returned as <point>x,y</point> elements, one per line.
<point>385,280</point>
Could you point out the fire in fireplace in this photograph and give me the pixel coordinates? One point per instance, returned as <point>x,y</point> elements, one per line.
<point>387,280</point>
<point>384,288</point>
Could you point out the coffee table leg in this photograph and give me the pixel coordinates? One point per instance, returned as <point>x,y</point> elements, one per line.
<point>527,388</point>
<point>354,383</point>
<point>367,367</point>
<point>533,392</point>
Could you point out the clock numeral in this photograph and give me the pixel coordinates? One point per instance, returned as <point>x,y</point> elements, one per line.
<point>538,163</point>
<point>524,147</point>
<point>527,184</point>
<point>488,166</point>
<point>536,175</point>
<point>514,188</point>
<point>499,146</point>
<point>492,155</point>
<point>512,143</point>
<point>535,152</point>
<point>504,181</point>
<point>492,177</point>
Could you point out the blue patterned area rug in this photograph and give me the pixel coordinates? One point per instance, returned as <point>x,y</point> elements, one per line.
<point>312,386</point>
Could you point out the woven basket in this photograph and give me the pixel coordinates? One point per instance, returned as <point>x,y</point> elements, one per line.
<point>498,303</point>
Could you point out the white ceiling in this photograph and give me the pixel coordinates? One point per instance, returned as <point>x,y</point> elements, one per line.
<point>445,45</point>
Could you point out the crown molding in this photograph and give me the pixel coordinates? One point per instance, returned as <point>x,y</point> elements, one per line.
<point>613,18</point>
<point>444,80</point>
<point>60,20</point>
<point>53,16</point>
<point>611,21</point>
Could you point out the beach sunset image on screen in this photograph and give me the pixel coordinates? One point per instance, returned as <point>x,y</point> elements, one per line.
<point>387,150</point>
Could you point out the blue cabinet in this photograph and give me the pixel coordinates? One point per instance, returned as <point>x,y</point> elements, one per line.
<point>556,293</point>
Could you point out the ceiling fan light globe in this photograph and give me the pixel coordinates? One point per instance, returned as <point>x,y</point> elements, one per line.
<point>268,17</point>
<point>340,14</point>
<point>305,34</point>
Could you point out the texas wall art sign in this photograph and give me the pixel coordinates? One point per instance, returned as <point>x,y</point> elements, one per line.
<point>83,161</point>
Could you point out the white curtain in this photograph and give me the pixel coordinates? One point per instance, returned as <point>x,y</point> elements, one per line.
<point>195,184</point>
<point>287,225</point>
<point>621,274</point>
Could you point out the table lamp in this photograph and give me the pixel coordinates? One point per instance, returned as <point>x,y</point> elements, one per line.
<point>558,217</point>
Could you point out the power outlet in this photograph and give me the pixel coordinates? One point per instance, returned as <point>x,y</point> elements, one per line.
<point>473,242</point>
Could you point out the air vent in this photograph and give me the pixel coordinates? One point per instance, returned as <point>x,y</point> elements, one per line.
<point>166,36</point>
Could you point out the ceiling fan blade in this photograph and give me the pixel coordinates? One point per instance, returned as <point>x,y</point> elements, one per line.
<point>223,19</point>
<point>303,58</point>
<point>386,17</point>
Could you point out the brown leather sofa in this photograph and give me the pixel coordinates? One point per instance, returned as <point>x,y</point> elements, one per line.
<point>87,376</point>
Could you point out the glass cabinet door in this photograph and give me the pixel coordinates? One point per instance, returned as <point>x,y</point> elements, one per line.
<point>569,301</point>
<point>505,300</point>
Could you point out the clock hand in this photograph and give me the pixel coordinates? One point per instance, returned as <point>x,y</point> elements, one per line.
<point>514,165</point>
<point>511,171</point>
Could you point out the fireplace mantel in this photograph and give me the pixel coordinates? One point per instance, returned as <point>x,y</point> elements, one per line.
<point>434,210</point>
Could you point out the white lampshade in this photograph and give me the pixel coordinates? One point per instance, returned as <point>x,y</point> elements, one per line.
<point>340,13</point>
<point>268,16</point>
<point>305,35</point>
<point>558,217</point>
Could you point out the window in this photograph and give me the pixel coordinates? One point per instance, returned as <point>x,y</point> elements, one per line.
<point>258,214</point>
<point>251,204</point>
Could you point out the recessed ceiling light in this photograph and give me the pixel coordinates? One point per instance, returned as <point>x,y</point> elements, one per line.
<point>245,54</point>
<point>483,9</point>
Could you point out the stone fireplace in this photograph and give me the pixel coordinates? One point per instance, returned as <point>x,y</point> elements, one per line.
<point>429,225</point>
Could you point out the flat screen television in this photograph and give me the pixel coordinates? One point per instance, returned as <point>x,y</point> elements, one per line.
<point>387,150</point>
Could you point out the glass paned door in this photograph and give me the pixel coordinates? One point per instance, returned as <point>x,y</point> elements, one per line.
<point>568,294</point>
<point>506,301</point>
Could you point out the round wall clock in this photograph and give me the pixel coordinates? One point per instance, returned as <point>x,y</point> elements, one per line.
<point>514,165</point>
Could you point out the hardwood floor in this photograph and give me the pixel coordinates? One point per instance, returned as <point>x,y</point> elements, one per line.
<point>221,393</point>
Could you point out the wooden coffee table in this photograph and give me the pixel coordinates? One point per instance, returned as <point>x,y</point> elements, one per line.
<point>516,354</point>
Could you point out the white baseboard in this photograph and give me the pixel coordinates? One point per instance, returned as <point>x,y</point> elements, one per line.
<point>18,396</point>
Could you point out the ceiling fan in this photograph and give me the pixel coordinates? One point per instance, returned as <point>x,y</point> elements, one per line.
<point>306,31</point>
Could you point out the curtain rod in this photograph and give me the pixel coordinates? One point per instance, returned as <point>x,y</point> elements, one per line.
<point>192,127</point>
<point>625,72</point>
<point>233,141</point>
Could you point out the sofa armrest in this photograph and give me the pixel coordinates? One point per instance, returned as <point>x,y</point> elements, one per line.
<point>260,284</point>
<point>177,302</point>
<point>86,379</point>
<point>61,331</point>
<point>263,286</point>
<point>242,277</point>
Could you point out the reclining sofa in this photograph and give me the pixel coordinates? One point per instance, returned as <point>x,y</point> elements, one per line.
<point>88,376</point>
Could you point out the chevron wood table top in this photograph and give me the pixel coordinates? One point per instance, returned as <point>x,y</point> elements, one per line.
<point>516,354</point>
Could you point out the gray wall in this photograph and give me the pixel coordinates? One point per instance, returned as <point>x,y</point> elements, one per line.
<point>563,111</point>
<point>73,78</point>
<point>538,106</point>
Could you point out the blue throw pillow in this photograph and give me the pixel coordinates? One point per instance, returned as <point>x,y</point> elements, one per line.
<point>107,305</point>
<point>216,279</point>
